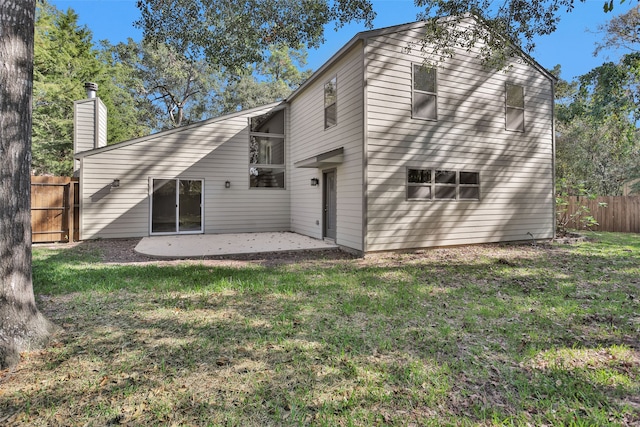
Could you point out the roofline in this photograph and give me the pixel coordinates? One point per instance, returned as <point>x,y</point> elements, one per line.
<point>273,106</point>
<point>535,64</point>
<point>363,35</point>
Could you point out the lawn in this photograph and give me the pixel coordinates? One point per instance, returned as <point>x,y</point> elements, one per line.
<point>481,335</point>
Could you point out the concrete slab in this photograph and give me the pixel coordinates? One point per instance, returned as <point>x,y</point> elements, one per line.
<point>199,245</point>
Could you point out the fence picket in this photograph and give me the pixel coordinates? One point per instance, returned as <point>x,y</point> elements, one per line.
<point>621,214</point>
<point>54,214</point>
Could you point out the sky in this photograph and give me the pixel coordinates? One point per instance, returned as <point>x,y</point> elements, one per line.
<point>571,46</point>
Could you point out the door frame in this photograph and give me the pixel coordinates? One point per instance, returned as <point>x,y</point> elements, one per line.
<point>333,207</point>
<point>177,224</point>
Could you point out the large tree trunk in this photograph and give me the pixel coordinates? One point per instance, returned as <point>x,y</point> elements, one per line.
<point>22,327</point>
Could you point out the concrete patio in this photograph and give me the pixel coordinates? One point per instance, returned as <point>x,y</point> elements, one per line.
<point>202,245</point>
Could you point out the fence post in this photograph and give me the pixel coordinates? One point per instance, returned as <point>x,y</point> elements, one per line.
<point>69,203</point>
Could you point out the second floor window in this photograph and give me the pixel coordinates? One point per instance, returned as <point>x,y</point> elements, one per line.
<point>330,103</point>
<point>514,107</point>
<point>424,93</point>
<point>267,150</point>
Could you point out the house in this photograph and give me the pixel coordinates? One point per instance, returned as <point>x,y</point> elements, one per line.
<point>376,151</point>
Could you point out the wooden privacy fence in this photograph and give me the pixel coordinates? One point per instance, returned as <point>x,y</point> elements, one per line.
<point>622,213</point>
<point>54,209</point>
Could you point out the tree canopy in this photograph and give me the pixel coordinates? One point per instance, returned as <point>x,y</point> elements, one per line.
<point>234,33</point>
<point>171,88</point>
<point>597,142</point>
<point>512,24</point>
<point>64,59</point>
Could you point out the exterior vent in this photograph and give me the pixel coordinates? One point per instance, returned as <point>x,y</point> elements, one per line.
<point>91,89</point>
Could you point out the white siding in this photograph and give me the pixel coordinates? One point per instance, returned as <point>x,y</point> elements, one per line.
<point>215,151</point>
<point>308,137</point>
<point>516,169</point>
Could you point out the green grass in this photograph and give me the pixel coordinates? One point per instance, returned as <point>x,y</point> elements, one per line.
<point>483,335</point>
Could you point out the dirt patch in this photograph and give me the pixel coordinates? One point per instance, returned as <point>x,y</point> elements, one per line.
<point>122,251</point>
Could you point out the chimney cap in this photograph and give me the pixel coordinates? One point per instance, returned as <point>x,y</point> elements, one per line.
<point>91,89</point>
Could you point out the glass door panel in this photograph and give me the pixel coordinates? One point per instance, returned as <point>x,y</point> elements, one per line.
<point>163,206</point>
<point>190,206</point>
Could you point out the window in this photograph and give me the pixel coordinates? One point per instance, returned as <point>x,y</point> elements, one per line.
<point>445,185</point>
<point>434,184</point>
<point>330,103</point>
<point>514,110</point>
<point>419,184</point>
<point>424,93</point>
<point>469,186</point>
<point>267,151</point>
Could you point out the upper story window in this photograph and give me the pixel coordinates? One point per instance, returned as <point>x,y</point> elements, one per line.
<point>514,107</point>
<point>437,184</point>
<point>424,93</point>
<point>267,151</point>
<point>330,103</point>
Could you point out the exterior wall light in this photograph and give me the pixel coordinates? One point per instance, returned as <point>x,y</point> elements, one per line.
<point>315,182</point>
<point>227,184</point>
<point>115,183</point>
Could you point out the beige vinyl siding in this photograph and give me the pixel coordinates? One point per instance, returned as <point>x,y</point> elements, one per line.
<point>516,176</point>
<point>101,125</point>
<point>214,151</point>
<point>308,138</point>
<point>89,126</point>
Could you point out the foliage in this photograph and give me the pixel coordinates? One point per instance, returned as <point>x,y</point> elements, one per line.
<point>64,59</point>
<point>173,88</point>
<point>597,143</point>
<point>485,335</point>
<point>233,34</point>
<point>581,218</point>
<point>269,81</point>
<point>621,32</point>
<point>509,25</point>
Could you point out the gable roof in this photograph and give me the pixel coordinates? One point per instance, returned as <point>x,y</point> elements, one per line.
<point>355,40</point>
<point>273,106</point>
<point>364,35</point>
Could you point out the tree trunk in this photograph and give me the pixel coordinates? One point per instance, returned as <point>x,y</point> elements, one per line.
<point>22,326</point>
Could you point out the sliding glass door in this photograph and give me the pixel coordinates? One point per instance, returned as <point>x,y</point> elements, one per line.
<point>176,206</point>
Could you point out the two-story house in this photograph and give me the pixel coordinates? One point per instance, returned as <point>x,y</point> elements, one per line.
<point>378,150</point>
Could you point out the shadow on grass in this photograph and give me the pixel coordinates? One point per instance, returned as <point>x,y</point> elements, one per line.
<point>499,334</point>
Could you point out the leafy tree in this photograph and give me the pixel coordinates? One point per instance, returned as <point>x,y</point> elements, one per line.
<point>269,81</point>
<point>597,142</point>
<point>512,24</point>
<point>621,32</point>
<point>65,58</point>
<point>232,34</point>
<point>22,326</point>
<point>172,88</point>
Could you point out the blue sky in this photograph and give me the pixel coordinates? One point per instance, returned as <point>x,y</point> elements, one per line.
<point>571,46</point>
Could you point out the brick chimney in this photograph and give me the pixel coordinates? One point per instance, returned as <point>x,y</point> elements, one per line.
<point>89,123</point>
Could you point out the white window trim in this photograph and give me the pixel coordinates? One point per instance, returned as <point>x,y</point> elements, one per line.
<point>269,165</point>
<point>413,91</point>
<point>507,107</point>
<point>433,185</point>
<point>324,102</point>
